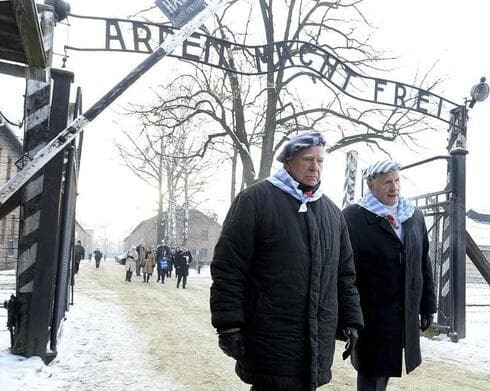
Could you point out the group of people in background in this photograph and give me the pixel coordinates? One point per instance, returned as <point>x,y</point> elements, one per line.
<point>144,260</point>
<point>79,254</point>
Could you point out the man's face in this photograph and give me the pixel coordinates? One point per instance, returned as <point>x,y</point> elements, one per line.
<point>306,165</point>
<point>386,188</point>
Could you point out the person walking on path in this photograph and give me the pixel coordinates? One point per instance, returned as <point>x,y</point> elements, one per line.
<point>78,255</point>
<point>181,262</point>
<point>283,276</point>
<point>98,257</point>
<point>131,263</point>
<point>394,278</point>
<point>140,250</point>
<point>148,264</point>
<point>162,253</point>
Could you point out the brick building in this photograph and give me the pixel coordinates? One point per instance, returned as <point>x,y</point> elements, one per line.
<point>86,236</point>
<point>202,236</point>
<point>10,152</point>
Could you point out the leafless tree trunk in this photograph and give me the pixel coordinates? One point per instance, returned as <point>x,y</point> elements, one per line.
<point>257,114</point>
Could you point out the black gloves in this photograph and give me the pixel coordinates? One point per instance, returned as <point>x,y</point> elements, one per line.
<point>351,334</point>
<point>231,342</point>
<point>426,321</point>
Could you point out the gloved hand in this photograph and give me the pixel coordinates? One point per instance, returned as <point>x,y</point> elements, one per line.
<point>426,321</point>
<point>231,343</point>
<point>352,336</point>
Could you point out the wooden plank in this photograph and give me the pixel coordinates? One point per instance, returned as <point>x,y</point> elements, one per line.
<point>7,18</point>
<point>11,48</point>
<point>30,32</point>
<point>22,71</point>
<point>477,257</point>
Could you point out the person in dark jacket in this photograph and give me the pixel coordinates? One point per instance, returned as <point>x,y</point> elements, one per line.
<point>98,257</point>
<point>394,278</point>
<point>79,254</point>
<point>182,260</point>
<point>283,276</point>
<point>162,255</point>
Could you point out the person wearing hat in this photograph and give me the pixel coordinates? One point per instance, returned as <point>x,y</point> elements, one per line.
<point>394,278</point>
<point>283,276</point>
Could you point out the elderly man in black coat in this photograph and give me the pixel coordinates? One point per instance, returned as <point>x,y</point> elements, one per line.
<point>394,278</point>
<point>283,276</point>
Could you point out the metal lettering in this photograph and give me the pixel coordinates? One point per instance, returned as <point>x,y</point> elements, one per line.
<point>137,38</point>
<point>400,94</point>
<point>378,86</point>
<point>422,97</point>
<point>187,43</point>
<point>117,37</point>
<point>256,60</point>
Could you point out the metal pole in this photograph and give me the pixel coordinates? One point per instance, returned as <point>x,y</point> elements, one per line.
<point>458,227</point>
<point>455,247</point>
<point>36,135</point>
<point>350,179</point>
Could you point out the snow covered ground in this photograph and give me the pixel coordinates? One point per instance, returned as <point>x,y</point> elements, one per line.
<point>121,336</point>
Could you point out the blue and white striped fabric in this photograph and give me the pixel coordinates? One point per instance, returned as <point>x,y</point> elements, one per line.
<point>286,183</point>
<point>404,209</point>
<point>302,140</point>
<point>380,167</point>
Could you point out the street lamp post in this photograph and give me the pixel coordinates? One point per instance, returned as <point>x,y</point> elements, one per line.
<point>455,296</point>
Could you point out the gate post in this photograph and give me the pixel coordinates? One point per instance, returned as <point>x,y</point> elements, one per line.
<point>457,224</point>
<point>66,197</point>
<point>350,179</point>
<point>35,134</point>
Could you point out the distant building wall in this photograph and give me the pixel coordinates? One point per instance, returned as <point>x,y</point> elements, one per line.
<point>10,153</point>
<point>145,233</point>
<point>86,236</point>
<point>203,234</point>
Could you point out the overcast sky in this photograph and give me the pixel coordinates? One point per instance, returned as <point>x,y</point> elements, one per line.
<point>420,32</point>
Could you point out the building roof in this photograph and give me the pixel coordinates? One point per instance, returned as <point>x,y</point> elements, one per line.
<point>478,217</point>
<point>21,38</point>
<point>179,210</point>
<point>478,225</point>
<point>7,131</point>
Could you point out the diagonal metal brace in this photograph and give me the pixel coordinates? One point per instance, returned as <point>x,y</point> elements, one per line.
<point>66,136</point>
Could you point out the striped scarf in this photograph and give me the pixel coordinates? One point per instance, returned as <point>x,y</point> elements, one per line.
<point>282,180</point>
<point>404,210</point>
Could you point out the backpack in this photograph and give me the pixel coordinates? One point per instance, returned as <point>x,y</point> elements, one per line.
<point>163,263</point>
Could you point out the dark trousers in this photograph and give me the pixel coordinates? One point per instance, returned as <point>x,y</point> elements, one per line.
<point>365,383</point>
<point>128,275</point>
<point>256,387</point>
<point>161,275</point>
<point>97,263</point>
<point>183,279</point>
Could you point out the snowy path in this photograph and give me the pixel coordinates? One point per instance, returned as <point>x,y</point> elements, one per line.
<point>137,336</point>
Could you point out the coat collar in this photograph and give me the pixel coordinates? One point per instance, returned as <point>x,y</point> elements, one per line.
<point>373,219</point>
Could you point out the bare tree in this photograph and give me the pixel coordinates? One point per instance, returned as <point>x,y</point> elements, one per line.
<point>257,114</point>
<point>163,157</point>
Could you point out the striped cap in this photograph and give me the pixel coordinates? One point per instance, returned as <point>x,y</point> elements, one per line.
<point>381,167</point>
<point>302,140</point>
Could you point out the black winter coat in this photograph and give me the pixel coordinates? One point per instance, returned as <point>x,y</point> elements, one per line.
<point>181,264</point>
<point>286,279</point>
<point>395,283</point>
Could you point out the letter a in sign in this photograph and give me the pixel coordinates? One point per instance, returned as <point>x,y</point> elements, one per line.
<point>180,11</point>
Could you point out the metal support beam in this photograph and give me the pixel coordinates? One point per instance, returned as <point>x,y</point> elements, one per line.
<point>350,179</point>
<point>28,342</point>
<point>457,222</point>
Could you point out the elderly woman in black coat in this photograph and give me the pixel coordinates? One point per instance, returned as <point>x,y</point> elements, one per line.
<point>394,278</point>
